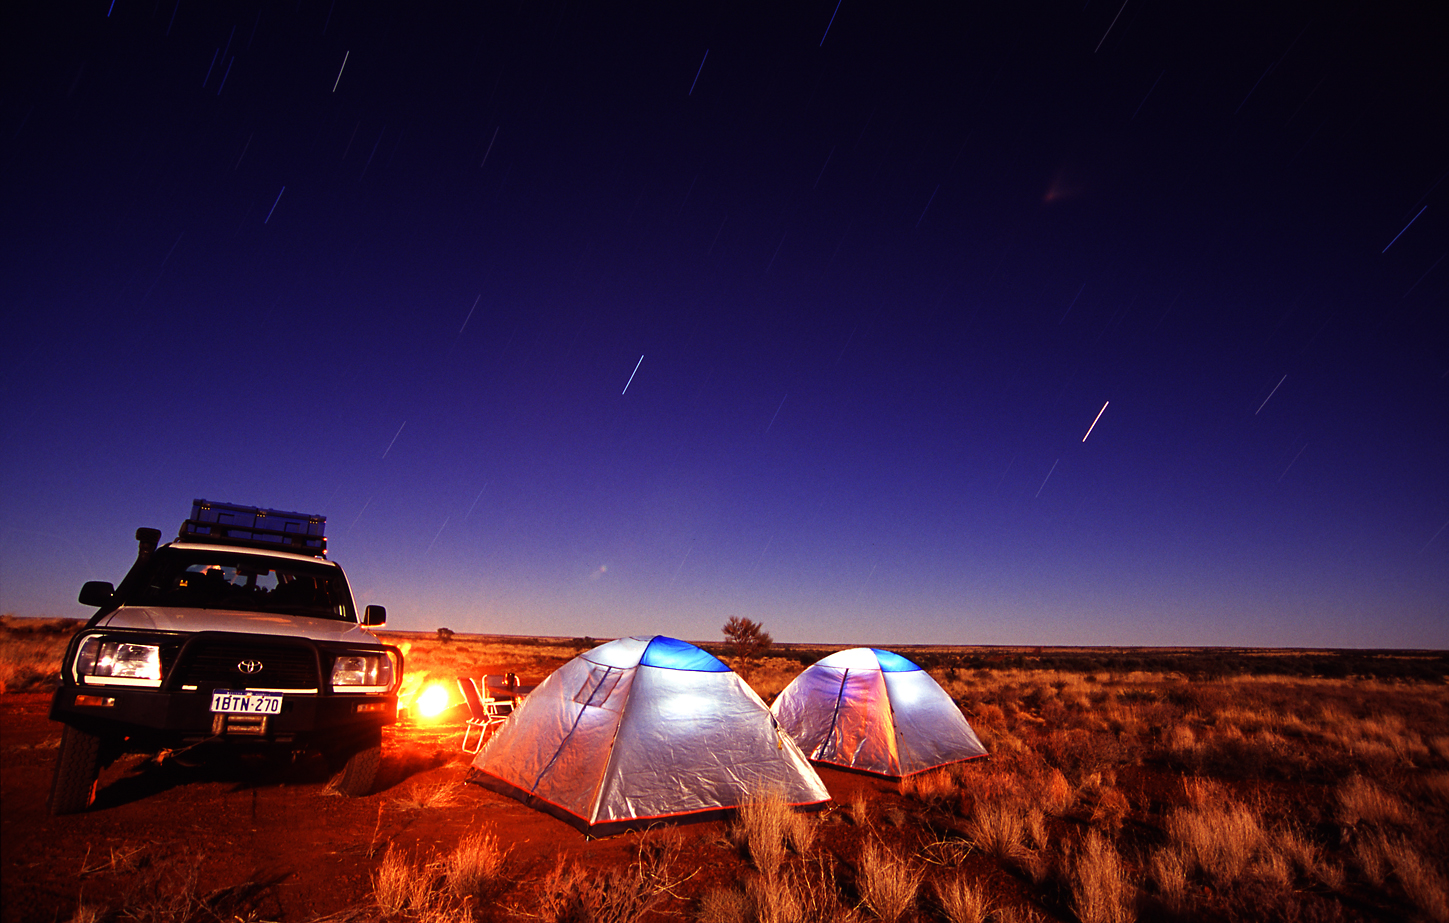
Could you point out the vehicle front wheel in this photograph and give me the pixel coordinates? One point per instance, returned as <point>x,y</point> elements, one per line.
<point>77,767</point>
<point>354,769</point>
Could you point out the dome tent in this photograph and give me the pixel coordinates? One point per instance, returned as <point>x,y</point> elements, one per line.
<point>877,712</point>
<point>639,730</point>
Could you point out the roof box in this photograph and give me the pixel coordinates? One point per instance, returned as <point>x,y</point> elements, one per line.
<point>252,526</point>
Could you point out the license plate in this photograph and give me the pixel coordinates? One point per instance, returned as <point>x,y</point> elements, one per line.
<point>246,702</point>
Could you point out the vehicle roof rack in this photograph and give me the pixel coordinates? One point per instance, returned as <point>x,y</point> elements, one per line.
<point>253,527</point>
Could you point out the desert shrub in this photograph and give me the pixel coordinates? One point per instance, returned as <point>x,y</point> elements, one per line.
<point>1137,696</point>
<point>1078,752</point>
<point>887,883</point>
<point>746,638</point>
<point>959,901</point>
<point>988,714</point>
<point>1101,890</point>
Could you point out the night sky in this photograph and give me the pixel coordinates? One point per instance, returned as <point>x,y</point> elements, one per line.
<point>885,265</point>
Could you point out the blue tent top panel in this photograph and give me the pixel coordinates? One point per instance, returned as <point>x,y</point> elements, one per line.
<point>672,654</point>
<point>891,662</point>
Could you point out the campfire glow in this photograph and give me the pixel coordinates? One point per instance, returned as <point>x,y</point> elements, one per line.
<point>433,700</point>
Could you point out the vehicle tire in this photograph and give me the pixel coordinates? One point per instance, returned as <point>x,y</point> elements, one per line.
<point>355,768</point>
<point>77,767</point>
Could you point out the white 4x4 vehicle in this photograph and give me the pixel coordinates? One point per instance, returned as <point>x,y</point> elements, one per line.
<point>239,635</point>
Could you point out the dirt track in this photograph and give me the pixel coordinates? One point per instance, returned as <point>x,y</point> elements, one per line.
<point>297,852</point>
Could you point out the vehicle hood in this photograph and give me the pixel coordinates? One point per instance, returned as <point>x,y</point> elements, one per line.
<point>159,618</point>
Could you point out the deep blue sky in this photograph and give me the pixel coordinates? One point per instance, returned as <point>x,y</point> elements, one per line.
<point>881,283</point>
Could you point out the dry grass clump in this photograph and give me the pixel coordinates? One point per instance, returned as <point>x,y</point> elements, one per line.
<point>1361,801</point>
<point>887,883</point>
<point>765,827</point>
<point>1439,746</point>
<point>1378,857</point>
<point>445,888</point>
<point>167,888</point>
<point>393,883</point>
<point>1436,787</point>
<point>569,894</point>
<point>1168,870</point>
<point>960,902</point>
<point>474,868</point>
<point>87,913</point>
<point>996,828</point>
<point>426,796</point>
<point>1220,840</point>
<point>1057,796</point>
<point>803,894</point>
<point>1101,889</point>
<point>1392,731</point>
<point>1108,806</point>
<point>1183,746</point>
<point>932,787</point>
<point>1307,857</point>
<point>1423,884</point>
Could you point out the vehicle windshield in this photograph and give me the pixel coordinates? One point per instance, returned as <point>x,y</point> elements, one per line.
<point>246,582</point>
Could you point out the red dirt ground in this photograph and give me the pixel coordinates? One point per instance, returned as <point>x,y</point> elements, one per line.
<point>314,853</point>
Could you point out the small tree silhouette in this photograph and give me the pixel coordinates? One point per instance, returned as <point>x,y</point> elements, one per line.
<point>445,635</point>
<point>746,638</point>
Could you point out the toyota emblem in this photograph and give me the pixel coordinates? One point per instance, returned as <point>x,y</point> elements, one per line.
<point>250,666</point>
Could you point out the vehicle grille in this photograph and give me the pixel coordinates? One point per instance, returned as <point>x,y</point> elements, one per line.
<point>215,664</point>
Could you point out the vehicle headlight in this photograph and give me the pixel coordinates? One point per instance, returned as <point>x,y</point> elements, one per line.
<point>362,670</point>
<point>119,660</point>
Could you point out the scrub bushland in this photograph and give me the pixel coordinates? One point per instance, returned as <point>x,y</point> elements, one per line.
<point>1121,785</point>
<point>31,650</point>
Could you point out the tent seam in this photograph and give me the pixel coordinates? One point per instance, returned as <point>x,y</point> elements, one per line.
<point>574,727</point>
<point>596,795</point>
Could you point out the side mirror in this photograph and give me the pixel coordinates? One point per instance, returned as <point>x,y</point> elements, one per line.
<point>374,615</point>
<point>97,593</point>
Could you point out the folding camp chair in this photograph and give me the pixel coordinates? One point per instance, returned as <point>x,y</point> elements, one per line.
<point>484,712</point>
